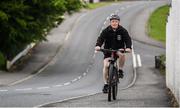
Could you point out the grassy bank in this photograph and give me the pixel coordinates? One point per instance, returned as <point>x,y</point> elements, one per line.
<point>97,5</point>
<point>157,24</point>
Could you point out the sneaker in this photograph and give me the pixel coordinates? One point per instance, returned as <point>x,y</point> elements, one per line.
<point>120,73</point>
<point>105,88</point>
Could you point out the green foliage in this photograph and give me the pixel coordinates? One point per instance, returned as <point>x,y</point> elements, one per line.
<point>72,5</point>
<point>162,64</point>
<point>2,61</point>
<point>25,21</point>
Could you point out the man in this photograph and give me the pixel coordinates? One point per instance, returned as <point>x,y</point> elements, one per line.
<point>117,38</point>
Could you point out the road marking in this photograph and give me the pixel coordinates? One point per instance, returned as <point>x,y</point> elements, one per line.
<point>88,69</point>
<point>79,77</point>
<point>139,60</point>
<point>40,88</point>
<point>74,80</point>
<point>84,74</point>
<point>67,36</point>
<point>68,83</point>
<point>3,90</point>
<point>25,89</point>
<point>134,59</point>
<point>134,71</point>
<point>58,85</point>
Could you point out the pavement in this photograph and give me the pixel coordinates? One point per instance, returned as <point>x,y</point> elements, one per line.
<point>48,65</point>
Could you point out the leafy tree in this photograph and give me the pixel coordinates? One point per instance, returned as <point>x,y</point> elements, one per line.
<point>25,21</point>
<point>73,5</point>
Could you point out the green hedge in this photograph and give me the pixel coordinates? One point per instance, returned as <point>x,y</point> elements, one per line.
<point>2,61</point>
<point>26,21</point>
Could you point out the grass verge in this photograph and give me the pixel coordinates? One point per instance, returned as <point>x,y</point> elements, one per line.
<point>99,4</point>
<point>157,23</point>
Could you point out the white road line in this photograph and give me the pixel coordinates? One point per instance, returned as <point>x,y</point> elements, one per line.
<point>79,77</point>
<point>134,59</point>
<point>40,88</point>
<point>87,70</point>
<point>139,60</point>
<point>67,36</point>
<point>58,85</point>
<point>74,80</point>
<point>3,90</point>
<point>84,74</point>
<point>68,83</point>
<point>25,89</point>
<point>104,22</point>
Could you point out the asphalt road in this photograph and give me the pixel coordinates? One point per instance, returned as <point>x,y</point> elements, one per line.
<point>74,72</point>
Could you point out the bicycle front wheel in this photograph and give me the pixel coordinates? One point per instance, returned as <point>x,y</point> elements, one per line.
<point>115,84</point>
<point>114,91</point>
<point>110,81</point>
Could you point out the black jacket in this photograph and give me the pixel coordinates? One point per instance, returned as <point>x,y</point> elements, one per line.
<point>114,39</point>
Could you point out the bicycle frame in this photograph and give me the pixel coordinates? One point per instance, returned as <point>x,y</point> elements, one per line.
<point>113,79</point>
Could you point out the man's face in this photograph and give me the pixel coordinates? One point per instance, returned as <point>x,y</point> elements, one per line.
<point>114,23</point>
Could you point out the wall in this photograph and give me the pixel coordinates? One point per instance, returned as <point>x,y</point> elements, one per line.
<point>173,49</point>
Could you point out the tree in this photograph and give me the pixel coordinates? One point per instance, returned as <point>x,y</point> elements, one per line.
<point>25,21</point>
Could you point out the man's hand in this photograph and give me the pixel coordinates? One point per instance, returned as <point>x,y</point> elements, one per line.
<point>97,48</point>
<point>119,52</point>
<point>128,50</point>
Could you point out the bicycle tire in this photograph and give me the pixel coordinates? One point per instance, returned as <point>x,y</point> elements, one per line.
<point>114,91</point>
<point>111,69</point>
<point>115,85</point>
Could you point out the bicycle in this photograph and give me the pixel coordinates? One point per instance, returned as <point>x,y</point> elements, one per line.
<point>113,78</point>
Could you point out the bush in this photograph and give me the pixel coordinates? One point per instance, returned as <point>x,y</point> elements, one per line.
<point>2,61</point>
<point>73,5</point>
<point>25,21</point>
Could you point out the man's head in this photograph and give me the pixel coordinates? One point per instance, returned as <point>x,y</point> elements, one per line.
<point>114,21</point>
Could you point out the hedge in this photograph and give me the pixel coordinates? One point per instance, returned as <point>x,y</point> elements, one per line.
<point>25,21</point>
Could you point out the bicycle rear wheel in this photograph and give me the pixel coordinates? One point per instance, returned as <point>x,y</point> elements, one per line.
<point>111,69</point>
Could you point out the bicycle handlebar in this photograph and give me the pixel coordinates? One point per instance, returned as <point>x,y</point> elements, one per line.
<point>109,50</point>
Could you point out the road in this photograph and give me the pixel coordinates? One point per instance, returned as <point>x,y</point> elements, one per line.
<point>74,71</point>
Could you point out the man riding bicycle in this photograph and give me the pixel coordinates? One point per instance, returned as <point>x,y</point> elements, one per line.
<point>117,38</point>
